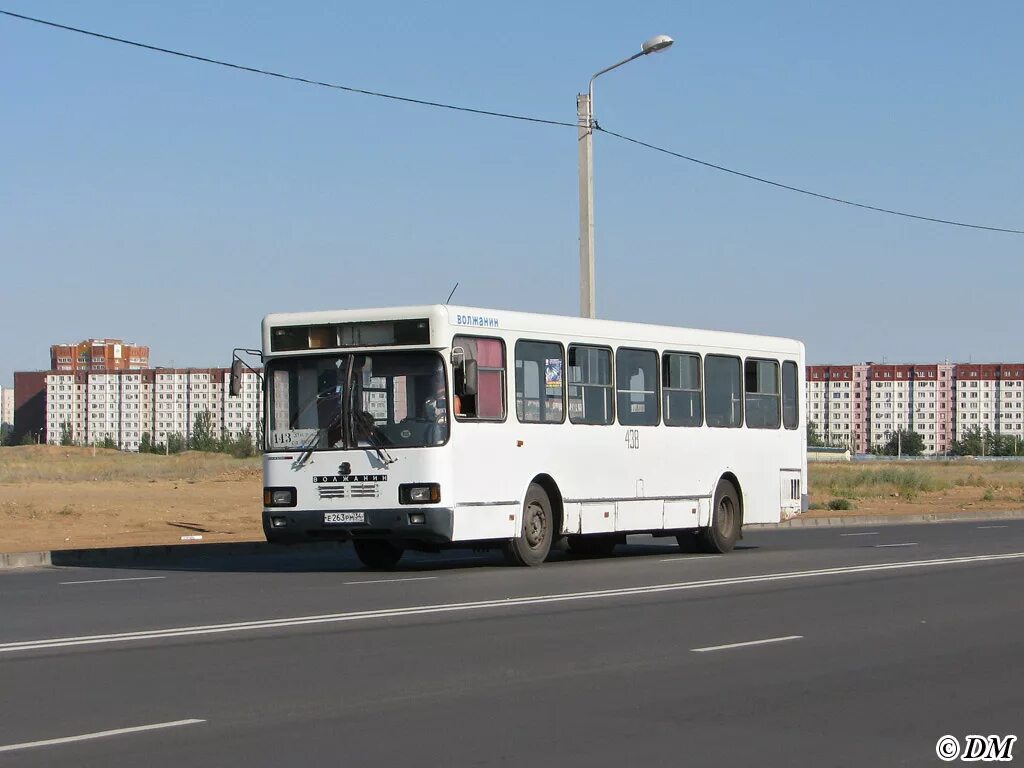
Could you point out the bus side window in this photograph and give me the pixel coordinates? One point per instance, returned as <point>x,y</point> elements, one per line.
<point>590,385</point>
<point>790,396</point>
<point>682,388</point>
<point>539,382</point>
<point>762,393</point>
<point>488,404</point>
<point>636,383</point>
<point>723,391</point>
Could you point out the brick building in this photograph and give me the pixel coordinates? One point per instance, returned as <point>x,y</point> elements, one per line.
<point>862,406</point>
<point>99,355</point>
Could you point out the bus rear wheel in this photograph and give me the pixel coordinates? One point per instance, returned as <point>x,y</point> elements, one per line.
<point>377,555</point>
<point>533,544</point>
<point>726,521</point>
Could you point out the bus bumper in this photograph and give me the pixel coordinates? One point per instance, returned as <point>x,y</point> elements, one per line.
<point>429,524</point>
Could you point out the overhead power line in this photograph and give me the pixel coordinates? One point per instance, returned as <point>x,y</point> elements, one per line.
<point>507,116</point>
<point>802,191</point>
<point>281,76</point>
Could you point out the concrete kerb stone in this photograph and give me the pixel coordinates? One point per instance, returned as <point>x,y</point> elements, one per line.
<point>860,521</point>
<point>24,559</point>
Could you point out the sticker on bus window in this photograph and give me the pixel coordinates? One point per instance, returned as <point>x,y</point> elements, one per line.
<point>553,373</point>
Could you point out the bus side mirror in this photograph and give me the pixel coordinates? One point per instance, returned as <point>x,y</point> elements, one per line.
<point>235,379</point>
<point>466,381</point>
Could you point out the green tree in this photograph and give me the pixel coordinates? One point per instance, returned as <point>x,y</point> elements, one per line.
<point>108,442</point>
<point>974,442</point>
<point>813,436</point>
<point>176,442</point>
<point>146,443</point>
<point>244,446</point>
<point>969,444</point>
<point>203,437</point>
<point>66,436</point>
<point>904,443</point>
<point>226,444</point>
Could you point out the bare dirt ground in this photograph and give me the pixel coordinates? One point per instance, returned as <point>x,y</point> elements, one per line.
<point>52,497</point>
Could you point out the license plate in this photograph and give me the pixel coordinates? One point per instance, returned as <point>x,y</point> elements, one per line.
<point>344,517</point>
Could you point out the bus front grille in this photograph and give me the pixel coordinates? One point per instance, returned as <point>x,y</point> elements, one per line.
<point>364,491</point>
<point>331,491</point>
<point>349,490</point>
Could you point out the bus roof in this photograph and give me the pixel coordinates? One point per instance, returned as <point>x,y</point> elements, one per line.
<point>480,320</point>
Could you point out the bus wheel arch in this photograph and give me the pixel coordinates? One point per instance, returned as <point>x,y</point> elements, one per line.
<point>540,526</point>
<point>726,525</point>
<point>555,497</point>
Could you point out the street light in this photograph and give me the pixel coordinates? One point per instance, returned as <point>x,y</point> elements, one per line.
<point>585,114</point>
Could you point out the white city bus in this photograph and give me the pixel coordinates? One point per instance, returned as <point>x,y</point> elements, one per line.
<point>436,426</point>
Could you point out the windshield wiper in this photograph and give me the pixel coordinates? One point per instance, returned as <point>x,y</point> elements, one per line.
<point>307,448</point>
<point>368,429</point>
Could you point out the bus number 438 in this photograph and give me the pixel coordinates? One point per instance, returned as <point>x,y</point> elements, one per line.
<point>633,439</point>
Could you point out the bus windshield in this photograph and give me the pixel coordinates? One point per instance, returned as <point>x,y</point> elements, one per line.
<point>384,399</point>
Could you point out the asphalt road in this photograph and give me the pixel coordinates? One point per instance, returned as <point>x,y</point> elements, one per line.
<point>804,647</point>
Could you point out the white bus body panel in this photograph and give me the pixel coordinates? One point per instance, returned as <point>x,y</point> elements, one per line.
<point>666,481</point>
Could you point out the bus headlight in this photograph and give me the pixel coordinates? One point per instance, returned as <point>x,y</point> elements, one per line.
<point>278,497</point>
<point>419,493</point>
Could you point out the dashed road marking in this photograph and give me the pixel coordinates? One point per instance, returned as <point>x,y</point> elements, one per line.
<point>495,604</point>
<point>766,641</point>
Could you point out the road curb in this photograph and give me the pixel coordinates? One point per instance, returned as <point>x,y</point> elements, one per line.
<point>848,521</point>
<point>23,559</point>
<point>160,553</point>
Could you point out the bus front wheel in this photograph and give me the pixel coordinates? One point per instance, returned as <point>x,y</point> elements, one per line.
<point>377,555</point>
<point>726,521</point>
<point>533,544</point>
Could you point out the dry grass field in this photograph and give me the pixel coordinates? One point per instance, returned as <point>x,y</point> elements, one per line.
<point>52,497</point>
<point>890,487</point>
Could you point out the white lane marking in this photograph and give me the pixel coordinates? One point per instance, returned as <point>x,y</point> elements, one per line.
<point>869,533</point>
<point>98,735</point>
<point>106,581</point>
<point>749,642</point>
<point>391,581</point>
<point>419,610</point>
<point>983,527</point>
<point>689,558</point>
<point>907,544</point>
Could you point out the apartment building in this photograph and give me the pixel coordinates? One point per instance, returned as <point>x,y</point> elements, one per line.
<point>6,405</point>
<point>99,355</point>
<point>862,406</point>
<point>837,403</point>
<point>121,406</point>
<point>990,397</point>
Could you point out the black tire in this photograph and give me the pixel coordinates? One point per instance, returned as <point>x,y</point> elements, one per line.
<point>376,554</point>
<point>593,545</point>
<point>726,521</point>
<point>533,544</point>
<point>689,542</point>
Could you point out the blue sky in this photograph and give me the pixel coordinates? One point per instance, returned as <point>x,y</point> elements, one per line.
<point>173,203</point>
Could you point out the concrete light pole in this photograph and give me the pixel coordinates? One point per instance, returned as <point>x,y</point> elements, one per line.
<point>585,115</point>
